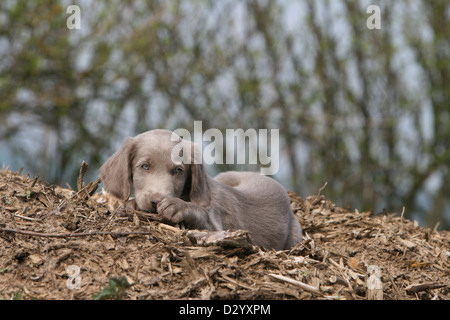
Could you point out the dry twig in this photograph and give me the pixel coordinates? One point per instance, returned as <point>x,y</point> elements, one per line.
<point>415,288</point>
<point>74,235</point>
<point>297,283</point>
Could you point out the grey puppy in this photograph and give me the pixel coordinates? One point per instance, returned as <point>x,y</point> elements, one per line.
<point>183,192</point>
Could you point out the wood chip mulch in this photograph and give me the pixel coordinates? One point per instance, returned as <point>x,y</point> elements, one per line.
<point>56,243</point>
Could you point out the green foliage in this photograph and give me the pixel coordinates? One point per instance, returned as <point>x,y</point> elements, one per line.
<point>18,295</point>
<point>115,289</point>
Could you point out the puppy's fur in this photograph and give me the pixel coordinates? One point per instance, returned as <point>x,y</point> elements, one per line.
<point>185,193</point>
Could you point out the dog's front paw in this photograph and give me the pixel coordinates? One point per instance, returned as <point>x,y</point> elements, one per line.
<point>173,209</point>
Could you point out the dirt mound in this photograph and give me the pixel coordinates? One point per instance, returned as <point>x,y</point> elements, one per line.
<point>59,244</point>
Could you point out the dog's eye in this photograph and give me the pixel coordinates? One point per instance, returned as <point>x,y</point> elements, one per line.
<point>177,170</point>
<point>145,166</point>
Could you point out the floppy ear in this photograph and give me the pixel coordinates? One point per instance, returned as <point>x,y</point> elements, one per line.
<point>116,172</point>
<point>200,192</point>
<point>196,187</point>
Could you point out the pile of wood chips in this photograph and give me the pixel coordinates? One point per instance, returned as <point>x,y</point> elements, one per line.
<point>60,244</point>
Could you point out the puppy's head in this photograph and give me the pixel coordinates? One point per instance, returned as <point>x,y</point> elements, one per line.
<point>151,164</point>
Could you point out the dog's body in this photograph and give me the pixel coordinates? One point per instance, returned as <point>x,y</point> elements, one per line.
<point>185,193</point>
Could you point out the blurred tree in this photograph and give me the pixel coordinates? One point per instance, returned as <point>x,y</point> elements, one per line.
<point>364,110</point>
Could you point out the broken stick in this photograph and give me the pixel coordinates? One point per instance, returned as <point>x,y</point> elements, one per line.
<point>415,288</point>
<point>297,283</point>
<point>74,235</point>
<point>80,180</point>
